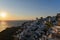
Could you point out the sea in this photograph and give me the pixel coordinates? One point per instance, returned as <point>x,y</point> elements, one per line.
<point>8,24</point>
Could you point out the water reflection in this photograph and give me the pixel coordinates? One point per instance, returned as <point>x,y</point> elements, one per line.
<point>3,25</point>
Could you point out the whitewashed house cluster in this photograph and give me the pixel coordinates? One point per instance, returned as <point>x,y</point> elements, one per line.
<point>40,29</point>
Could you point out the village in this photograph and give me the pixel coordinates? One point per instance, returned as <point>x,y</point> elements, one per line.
<point>40,29</point>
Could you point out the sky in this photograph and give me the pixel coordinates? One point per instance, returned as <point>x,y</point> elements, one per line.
<point>29,9</point>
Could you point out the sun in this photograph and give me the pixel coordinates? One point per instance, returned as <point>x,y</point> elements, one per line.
<point>3,14</point>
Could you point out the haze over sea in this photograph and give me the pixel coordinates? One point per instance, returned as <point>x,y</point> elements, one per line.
<point>8,24</point>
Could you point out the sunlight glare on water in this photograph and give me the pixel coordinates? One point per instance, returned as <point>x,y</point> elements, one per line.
<point>3,25</point>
